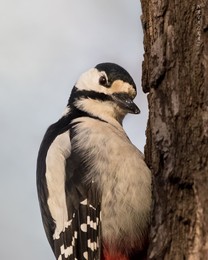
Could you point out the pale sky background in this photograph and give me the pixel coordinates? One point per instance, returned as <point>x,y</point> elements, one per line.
<point>44,46</point>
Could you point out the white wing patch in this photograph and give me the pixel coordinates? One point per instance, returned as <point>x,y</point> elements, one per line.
<point>66,252</point>
<point>91,223</point>
<point>92,245</point>
<point>84,227</point>
<point>84,202</point>
<point>56,157</point>
<point>85,255</point>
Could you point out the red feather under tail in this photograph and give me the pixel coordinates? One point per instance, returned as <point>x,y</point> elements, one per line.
<point>130,254</point>
<point>114,256</point>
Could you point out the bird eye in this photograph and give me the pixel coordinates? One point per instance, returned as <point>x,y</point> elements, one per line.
<point>103,81</point>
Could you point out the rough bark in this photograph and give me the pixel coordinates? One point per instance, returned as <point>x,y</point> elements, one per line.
<point>175,73</point>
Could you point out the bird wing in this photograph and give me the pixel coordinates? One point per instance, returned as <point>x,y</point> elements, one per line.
<point>81,238</point>
<point>70,207</point>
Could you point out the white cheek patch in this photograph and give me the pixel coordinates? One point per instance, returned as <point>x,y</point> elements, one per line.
<point>90,81</point>
<point>121,86</point>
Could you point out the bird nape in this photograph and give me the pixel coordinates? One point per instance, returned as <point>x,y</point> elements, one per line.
<point>93,185</point>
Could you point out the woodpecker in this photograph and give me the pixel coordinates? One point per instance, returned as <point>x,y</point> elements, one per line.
<point>93,185</point>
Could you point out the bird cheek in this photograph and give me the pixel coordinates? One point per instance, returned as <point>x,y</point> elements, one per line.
<point>121,86</point>
<point>118,86</point>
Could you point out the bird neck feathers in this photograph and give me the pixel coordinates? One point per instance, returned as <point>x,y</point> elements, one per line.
<point>105,110</point>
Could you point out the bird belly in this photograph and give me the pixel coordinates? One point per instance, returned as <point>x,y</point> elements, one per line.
<point>119,224</point>
<point>125,207</point>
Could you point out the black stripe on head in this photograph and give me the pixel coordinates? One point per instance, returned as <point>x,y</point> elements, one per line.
<point>115,72</point>
<point>77,94</point>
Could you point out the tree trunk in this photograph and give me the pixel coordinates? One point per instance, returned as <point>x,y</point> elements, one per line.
<point>175,73</point>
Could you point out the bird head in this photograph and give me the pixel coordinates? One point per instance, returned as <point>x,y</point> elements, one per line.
<point>106,90</point>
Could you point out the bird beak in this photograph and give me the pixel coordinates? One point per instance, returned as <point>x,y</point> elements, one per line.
<point>124,101</point>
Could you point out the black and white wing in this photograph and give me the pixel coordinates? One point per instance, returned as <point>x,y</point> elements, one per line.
<point>70,206</point>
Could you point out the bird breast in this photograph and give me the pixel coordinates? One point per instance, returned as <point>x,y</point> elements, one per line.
<point>122,177</point>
